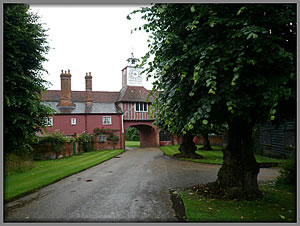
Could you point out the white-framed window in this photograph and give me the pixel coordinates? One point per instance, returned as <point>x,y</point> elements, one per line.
<point>141,107</point>
<point>106,120</point>
<point>73,121</point>
<point>101,138</point>
<point>49,121</point>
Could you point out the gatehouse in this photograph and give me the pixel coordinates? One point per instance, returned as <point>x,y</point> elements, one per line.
<point>83,111</point>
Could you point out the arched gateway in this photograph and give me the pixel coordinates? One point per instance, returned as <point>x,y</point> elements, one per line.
<point>134,103</point>
<point>149,136</point>
<point>79,111</point>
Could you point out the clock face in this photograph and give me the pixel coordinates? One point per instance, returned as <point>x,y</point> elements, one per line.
<point>134,75</point>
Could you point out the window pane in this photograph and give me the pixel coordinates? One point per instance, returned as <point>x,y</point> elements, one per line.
<point>137,106</point>
<point>141,107</point>
<point>145,106</point>
<point>73,121</point>
<point>49,121</point>
<point>106,120</point>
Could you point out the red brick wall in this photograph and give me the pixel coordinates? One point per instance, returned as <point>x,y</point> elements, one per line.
<point>108,145</point>
<point>62,123</point>
<point>45,151</point>
<point>214,140</point>
<point>165,143</point>
<point>88,123</point>
<point>94,121</point>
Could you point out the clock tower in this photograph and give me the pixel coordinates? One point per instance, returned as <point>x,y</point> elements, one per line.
<point>131,73</point>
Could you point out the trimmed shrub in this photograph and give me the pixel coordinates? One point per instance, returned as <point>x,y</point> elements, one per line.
<point>85,142</point>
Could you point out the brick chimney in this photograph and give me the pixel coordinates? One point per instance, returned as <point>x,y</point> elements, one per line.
<point>65,94</point>
<point>88,89</point>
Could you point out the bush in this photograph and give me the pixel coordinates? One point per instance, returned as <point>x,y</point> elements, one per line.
<point>20,163</point>
<point>288,173</point>
<point>85,142</point>
<point>114,138</point>
<point>55,140</point>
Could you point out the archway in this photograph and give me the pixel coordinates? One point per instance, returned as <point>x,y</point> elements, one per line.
<point>149,136</point>
<point>132,137</point>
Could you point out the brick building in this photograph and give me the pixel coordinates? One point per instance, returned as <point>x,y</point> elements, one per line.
<point>79,111</point>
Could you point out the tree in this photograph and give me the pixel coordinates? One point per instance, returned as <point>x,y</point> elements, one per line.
<point>223,63</point>
<point>206,130</point>
<point>132,134</point>
<point>25,46</point>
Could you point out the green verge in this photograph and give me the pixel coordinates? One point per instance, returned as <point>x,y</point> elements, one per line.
<point>132,144</point>
<point>277,205</point>
<point>50,171</point>
<point>213,157</point>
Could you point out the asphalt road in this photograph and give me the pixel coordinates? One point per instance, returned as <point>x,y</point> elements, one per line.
<point>133,187</point>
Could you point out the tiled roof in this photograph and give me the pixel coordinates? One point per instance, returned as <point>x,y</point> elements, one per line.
<point>79,96</point>
<point>134,94</point>
<point>80,108</point>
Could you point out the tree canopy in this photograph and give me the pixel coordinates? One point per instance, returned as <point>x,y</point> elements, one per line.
<point>217,62</point>
<point>223,63</point>
<point>25,47</point>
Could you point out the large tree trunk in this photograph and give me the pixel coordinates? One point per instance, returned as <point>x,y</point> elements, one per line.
<point>206,143</point>
<point>238,174</point>
<point>187,147</point>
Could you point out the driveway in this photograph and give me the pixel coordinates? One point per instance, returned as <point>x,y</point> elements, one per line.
<point>133,187</point>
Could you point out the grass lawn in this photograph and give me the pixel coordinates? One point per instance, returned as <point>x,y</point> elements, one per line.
<point>132,144</point>
<point>48,171</point>
<point>215,156</point>
<point>276,206</point>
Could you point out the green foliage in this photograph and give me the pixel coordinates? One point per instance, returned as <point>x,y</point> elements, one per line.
<point>99,131</point>
<point>215,156</point>
<point>219,63</point>
<point>288,173</point>
<point>114,138</point>
<point>276,206</point>
<point>25,46</point>
<point>55,140</point>
<point>14,163</point>
<point>132,134</point>
<point>85,142</point>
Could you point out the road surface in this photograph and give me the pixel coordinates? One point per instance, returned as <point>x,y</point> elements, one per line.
<point>133,187</point>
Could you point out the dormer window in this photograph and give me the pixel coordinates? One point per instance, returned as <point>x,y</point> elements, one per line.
<point>141,107</point>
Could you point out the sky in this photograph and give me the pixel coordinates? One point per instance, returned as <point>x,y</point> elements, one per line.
<point>91,38</point>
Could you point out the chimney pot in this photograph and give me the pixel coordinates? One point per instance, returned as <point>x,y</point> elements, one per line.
<point>88,89</point>
<point>66,93</point>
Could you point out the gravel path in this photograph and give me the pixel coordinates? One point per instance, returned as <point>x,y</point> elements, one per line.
<point>133,187</point>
